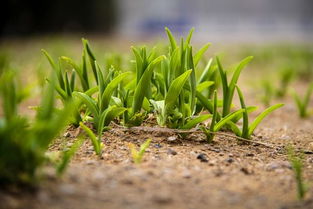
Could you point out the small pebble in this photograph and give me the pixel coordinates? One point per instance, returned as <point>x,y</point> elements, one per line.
<point>215,150</point>
<point>245,171</point>
<point>171,152</point>
<point>202,157</point>
<point>172,138</point>
<point>157,145</point>
<point>249,154</point>
<point>277,165</point>
<point>230,160</point>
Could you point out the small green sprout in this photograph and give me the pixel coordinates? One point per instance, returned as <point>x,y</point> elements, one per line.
<point>66,81</point>
<point>268,92</point>
<point>145,65</point>
<point>302,104</point>
<point>96,141</point>
<point>102,113</point>
<point>166,107</point>
<point>229,88</point>
<point>138,155</point>
<point>217,125</point>
<point>248,129</point>
<point>286,76</point>
<point>22,152</point>
<point>296,161</point>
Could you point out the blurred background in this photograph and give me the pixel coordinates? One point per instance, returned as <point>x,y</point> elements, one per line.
<point>278,33</point>
<point>242,20</point>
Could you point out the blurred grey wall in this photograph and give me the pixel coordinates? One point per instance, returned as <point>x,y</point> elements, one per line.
<point>233,19</point>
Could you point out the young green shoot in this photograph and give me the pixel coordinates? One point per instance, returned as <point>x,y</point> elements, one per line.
<point>138,155</point>
<point>102,113</point>
<point>296,161</point>
<point>229,88</point>
<point>268,92</point>
<point>248,129</point>
<point>22,152</point>
<point>96,141</point>
<point>286,76</point>
<point>217,125</point>
<point>302,104</point>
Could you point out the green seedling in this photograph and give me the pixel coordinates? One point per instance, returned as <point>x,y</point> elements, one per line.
<point>81,71</point>
<point>96,141</point>
<point>286,76</point>
<point>100,109</point>
<point>217,125</point>
<point>22,152</point>
<point>138,155</point>
<point>210,74</point>
<point>302,104</point>
<point>166,107</point>
<point>92,59</point>
<point>177,86</point>
<point>268,92</point>
<point>296,161</point>
<point>182,59</point>
<point>248,129</point>
<point>66,82</point>
<point>229,88</point>
<point>144,71</point>
<point>167,110</point>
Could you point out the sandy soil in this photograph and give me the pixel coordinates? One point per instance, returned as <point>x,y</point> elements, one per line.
<point>179,172</point>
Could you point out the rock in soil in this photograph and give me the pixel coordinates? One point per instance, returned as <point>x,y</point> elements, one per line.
<point>202,157</point>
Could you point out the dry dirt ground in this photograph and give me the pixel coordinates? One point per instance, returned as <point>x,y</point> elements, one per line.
<point>179,170</point>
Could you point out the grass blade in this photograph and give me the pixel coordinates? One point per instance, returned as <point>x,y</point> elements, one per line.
<point>226,119</point>
<point>188,39</point>
<point>171,38</point>
<point>193,82</point>
<point>202,86</point>
<point>245,125</point>
<point>139,63</point>
<point>225,87</point>
<point>95,142</point>
<point>200,53</point>
<point>107,94</point>
<point>89,102</point>
<point>175,89</point>
<point>141,88</point>
<point>193,122</point>
<point>91,57</point>
<point>112,113</point>
<point>234,128</point>
<point>235,78</point>
<point>205,72</point>
<point>260,117</point>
